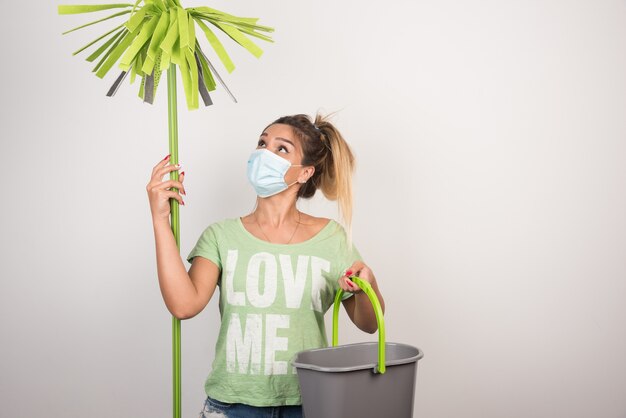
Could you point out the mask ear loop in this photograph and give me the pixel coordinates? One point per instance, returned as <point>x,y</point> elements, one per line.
<point>289,185</point>
<point>296,165</point>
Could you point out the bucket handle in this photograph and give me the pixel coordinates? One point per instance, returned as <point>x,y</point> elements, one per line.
<point>380,320</point>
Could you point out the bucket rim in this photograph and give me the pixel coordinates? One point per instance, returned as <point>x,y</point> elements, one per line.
<point>365,366</point>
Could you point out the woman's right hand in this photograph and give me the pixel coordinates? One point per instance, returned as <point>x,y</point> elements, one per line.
<point>159,193</point>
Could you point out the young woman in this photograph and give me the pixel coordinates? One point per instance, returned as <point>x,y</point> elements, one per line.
<point>278,268</point>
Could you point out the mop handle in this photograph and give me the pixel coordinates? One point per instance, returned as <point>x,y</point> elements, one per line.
<point>380,320</point>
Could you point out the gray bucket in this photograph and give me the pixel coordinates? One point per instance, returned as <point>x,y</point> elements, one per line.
<point>364,380</point>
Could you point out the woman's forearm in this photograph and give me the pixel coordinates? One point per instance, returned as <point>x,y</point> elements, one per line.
<point>364,314</point>
<point>177,289</point>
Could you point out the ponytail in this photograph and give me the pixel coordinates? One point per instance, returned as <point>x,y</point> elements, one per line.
<point>337,169</point>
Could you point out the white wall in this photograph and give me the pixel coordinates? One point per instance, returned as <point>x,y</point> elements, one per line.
<point>490,200</point>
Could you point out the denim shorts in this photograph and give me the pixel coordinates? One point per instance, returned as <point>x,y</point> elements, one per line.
<point>217,409</point>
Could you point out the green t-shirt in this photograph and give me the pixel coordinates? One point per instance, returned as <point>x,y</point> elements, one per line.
<point>272,303</point>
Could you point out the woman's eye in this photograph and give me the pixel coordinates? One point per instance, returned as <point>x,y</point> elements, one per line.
<point>261,143</point>
<point>283,149</point>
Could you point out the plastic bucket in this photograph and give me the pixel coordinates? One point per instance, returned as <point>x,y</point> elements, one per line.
<point>363,380</point>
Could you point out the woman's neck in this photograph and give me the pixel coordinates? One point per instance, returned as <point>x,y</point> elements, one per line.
<point>276,211</point>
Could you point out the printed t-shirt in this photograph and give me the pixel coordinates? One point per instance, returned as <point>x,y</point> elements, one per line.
<point>272,303</point>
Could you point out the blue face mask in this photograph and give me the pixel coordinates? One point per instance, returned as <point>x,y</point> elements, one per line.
<point>266,172</point>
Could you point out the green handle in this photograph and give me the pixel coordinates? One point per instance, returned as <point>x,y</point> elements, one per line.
<point>172,116</point>
<point>380,320</point>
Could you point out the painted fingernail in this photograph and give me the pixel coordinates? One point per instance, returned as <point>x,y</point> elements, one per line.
<point>349,273</point>
<point>167,157</point>
<point>183,192</point>
<point>182,202</point>
<point>182,173</point>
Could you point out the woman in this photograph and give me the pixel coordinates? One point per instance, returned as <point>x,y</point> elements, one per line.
<point>277,268</point>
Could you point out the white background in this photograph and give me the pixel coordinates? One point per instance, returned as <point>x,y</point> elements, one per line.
<point>489,200</point>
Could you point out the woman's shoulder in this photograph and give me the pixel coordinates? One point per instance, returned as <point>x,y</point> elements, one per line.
<point>319,226</point>
<point>314,221</point>
<point>223,225</point>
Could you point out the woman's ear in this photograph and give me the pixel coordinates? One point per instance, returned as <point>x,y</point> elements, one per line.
<point>306,174</point>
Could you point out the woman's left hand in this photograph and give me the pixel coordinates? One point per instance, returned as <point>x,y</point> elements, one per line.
<point>360,310</point>
<point>360,270</point>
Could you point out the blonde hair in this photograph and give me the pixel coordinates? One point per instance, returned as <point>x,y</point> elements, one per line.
<point>324,148</point>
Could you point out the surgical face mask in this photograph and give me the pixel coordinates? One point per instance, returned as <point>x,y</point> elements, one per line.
<point>266,172</point>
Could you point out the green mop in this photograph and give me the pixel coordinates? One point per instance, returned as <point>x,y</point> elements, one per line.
<point>160,35</point>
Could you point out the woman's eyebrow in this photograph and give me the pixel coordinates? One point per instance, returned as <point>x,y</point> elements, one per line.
<point>264,134</point>
<point>285,140</point>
